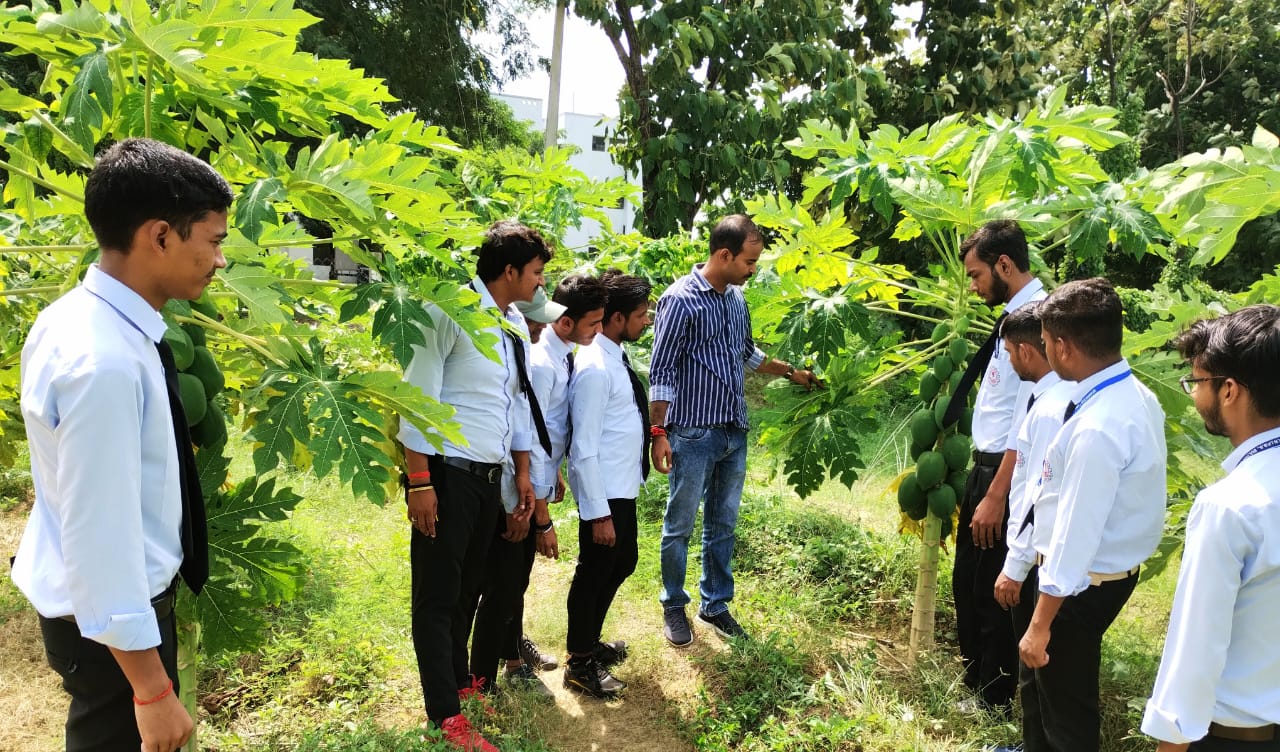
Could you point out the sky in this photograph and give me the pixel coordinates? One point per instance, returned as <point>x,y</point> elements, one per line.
<point>590,74</point>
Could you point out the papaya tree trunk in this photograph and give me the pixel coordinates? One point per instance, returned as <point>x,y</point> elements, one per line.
<point>188,653</point>
<point>922,612</point>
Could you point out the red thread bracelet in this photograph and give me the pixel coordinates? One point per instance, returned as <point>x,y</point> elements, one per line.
<point>424,475</point>
<point>167,691</point>
<point>656,431</point>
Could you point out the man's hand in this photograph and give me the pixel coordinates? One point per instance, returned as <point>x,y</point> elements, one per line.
<point>1032,649</point>
<point>988,521</point>
<point>660,454</point>
<point>559,497</point>
<point>422,511</point>
<point>806,379</point>
<point>548,544</point>
<point>1171,747</point>
<point>602,533</point>
<point>517,527</point>
<point>164,725</point>
<point>524,495</point>
<point>1008,591</point>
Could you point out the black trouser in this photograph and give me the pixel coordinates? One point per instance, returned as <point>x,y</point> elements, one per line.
<point>447,572</point>
<point>600,572</point>
<point>987,644</point>
<point>1067,686</point>
<point>1217,744</point>
<point>1033,738</point>
<point>501,610</point>
<point>101,716</point>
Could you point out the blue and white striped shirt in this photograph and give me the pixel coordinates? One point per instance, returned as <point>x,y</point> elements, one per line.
<point>701,343</point>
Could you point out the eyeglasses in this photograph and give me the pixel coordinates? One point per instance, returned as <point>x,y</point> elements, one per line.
<point>1189,383</point>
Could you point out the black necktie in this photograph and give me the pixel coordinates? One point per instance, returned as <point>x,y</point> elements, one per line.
<point>1031,402</point>
<point>539,423</point>
<point>195,535</point>
<point>642,404</point>
<point>1071,410</point>
<point>568,418</point>
<point>976,366</point>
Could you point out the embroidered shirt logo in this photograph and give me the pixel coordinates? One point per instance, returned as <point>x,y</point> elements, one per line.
<point>1047,473</point>
<point>993,375</point>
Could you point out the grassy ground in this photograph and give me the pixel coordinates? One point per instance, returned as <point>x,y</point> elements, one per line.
<point>824,585</point>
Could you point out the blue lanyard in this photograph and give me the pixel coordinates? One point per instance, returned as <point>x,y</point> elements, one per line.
<point>1092,392</point>
<point>1264,446</point>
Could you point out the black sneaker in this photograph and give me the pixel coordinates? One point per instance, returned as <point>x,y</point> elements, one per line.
<point>724,624</point>
<point>610,654</point>
<point>586,676</point>
<point>533,656</point>
<point>526,678</point>
<point>676,627</point>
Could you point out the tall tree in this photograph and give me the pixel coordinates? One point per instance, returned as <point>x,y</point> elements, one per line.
<point>428,54</point>
<point>714,90</point>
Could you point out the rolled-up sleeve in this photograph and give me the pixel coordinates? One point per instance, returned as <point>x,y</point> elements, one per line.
<point>669,326</point>
<point>97,504</point>
<point>1195,651</point>
<point>426,371</point>
<point>587,400</point>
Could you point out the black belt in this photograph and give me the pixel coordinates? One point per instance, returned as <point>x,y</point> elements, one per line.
<point>1239,734</point>
<point>988,459</point>
<point>163,603</point>
<point>489,472</point>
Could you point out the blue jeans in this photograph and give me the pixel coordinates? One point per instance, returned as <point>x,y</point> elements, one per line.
<point>708,463</point>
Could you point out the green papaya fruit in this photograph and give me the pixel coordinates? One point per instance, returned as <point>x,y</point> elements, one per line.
<point>943,366</point>
<point>958,480</point>
<point>958,350</point>
<point>181,345</point>
<point>196,333</point>
<point>962,326</point>
<point>940,332</point>
<point>205,305</point>
<point>204,368</point>
<point>919,449</point>
<point>212,430</point>
<point>942,501</point>
<point>911,498</point>
<point>194,402</point>
<point>954,382</point>
<point>923,429</point>
<point>931,469</point>
<point>966,421</point>
<point>940,410</point>
<point>956,451</point>
<point>930,384</point>
<point>948,525</point>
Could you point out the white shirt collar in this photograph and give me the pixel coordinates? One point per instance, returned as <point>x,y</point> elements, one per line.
<point>556,347</point>
<point>1246,446</point>
<point>1025,295</point>
<point>1046,381</point>
<point>128,303</point>
<point>611,348</point>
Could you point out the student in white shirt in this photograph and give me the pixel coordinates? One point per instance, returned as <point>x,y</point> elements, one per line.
<point>1218,689</point>
<point>1103,487</point>
<point>608,461</point>
<point>555,326</point>
<point>999,268</point>
<point>1046,397</point>
<point>118,512</point>
<point>453,494</point>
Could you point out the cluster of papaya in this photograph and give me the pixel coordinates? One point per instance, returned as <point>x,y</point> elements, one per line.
<point>199,381</point>
<point>941,453</point>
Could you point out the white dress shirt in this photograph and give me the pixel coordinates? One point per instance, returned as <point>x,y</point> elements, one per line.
<point>1037,429</point>
<point>1102,484</point>
<point>104,534</point>
<point>549,368</point>
<point>491,410</point>
<point>1221,662</point>
<point>608,435</point>
<point>994,408</point>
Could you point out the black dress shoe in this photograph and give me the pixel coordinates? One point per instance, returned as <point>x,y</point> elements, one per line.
<point>586,676</point>
<point>531,654</point>
<point>610,654</point>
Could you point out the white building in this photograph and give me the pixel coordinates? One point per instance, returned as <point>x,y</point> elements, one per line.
<point>589,133</point>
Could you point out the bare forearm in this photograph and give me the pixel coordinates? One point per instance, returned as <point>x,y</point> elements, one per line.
<point>1003,478</point>
<point>1047,607</point>
<point>775,367</point>
<point>144,671</point>
<point>658,413</point>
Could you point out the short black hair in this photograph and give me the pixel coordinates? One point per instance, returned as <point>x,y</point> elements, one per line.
<point>627,292</point>
<point>140,179</point>
<point>1001,237</point>
<point>509,243</point>
<point>1088,313</point>
<point>1245,346</point>
<point>580,294</point>
<point>732,231</point>
<point>1023,326</point>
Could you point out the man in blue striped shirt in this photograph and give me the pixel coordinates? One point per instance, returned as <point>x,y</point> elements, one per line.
<point>701,348</point>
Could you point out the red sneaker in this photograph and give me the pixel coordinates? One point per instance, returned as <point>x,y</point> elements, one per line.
<point>458,732</point>
<point>476,690</point>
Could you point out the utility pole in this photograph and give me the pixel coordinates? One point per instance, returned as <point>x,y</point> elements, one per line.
<point>553,96</point>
